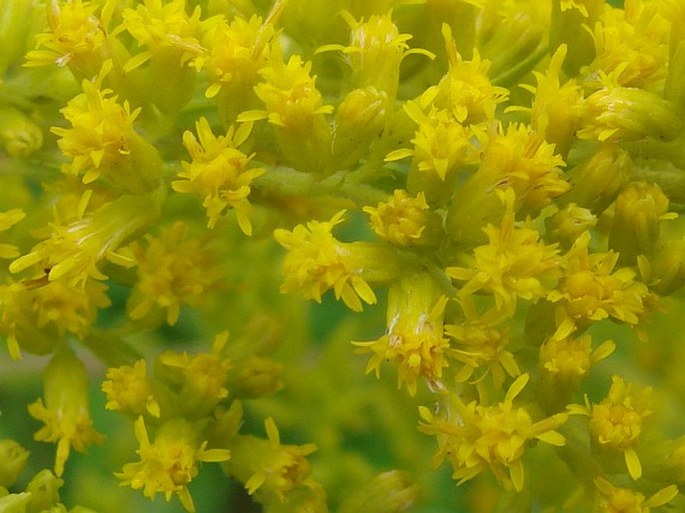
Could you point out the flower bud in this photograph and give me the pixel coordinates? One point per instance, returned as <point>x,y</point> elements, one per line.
<point>568,223</point>
<point>12,462</point>
<point>389,492</point>
<point>598,179</point>
<point>19,136</point>
<point>617,114</point>
<point>639,209</point>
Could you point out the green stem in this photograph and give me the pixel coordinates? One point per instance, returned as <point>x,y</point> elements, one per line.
<point>286,180</point>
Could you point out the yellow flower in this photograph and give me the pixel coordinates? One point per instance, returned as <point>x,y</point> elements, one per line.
<point>514,264</point>
<point>233,58</point>
<point>569,360</point>
<point>172,270</point>
<point>102,142</point>
<point>476,437</point>
<point>36,314</point>
<point>556,108</point>
<point>615,113</point>
<point>195,384</point>
<point>624,500</point>
<point>65,412</point>
<point>76,38</point>
<point>13,459</point>
<point>170,463</point>
<point>269,469</point>
<point>129,390</point>
<point>317,262</point>
<point>520,158</point>
<point>74,252</point>
<point>401,220</point>
<point>375,52</point>
<point>162,28</point>
<point>99,132</point>
<point>616,422</point>
<point>219,172</point>
<point>591,289</point>
<point>294,106</point>
<point>441,144</point>
<point>481,344</point>
<point>634,40</point>
<point>465,91</point>
<point>414,340</point>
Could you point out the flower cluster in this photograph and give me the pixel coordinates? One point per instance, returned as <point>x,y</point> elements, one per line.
<point>478,199</point>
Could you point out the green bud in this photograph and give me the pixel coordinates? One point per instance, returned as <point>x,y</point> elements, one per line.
<point>19,136</point>
<point>44,491</point>
<point>638,212</point>
<point>568,223</point>
<point>389,492</point>
<point>599,178</point>
<point>359,122</point>
<point>667,267</point>
<point>255,377</point>
<point>617,114</point>
<point>12,462</point>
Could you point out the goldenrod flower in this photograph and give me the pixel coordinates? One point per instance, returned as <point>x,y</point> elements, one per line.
<point>219,172</point>
<point>466,90</point>
<point>317,262</point>
<point>172,270</point>
<point>632,42</point>
<point>593,289</point>
<point>615,499</point>
<point>13,459</point>
<point>616,422</point>
<point>165,29</point>
<point>475,437</point>
<point>196,383</point>
<point>569,360</point>
<point>515,263</point>
<point>35,316</point>
<point>170,463</point>
<point>129,390</point>
<point>414,341</point>
<point>102,142</point>
<point>65,412</point>
<point>76,37</point>
<point>442,145</point>
<point>401,220</point>
<point>268,468</point>
<point>481,345</point>
<point>556,109</point>
<point>375,52</point>
<point>296,109</point>
<point>74,252</point>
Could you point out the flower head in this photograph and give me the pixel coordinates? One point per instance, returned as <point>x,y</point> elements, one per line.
<point>170,463</point>
<point>76,38</point>
<point>401,220</point>
<point>616,422</point>
<point>514,263</point>
<point>219,172</point>
<point>173,270</point>
<point>129,390</point>
<point>624,500</point>
<point>317,261</point>
<point>476,437</point>
<point>414,340</point>
<point>65,411</point>
<point>162,27</point>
